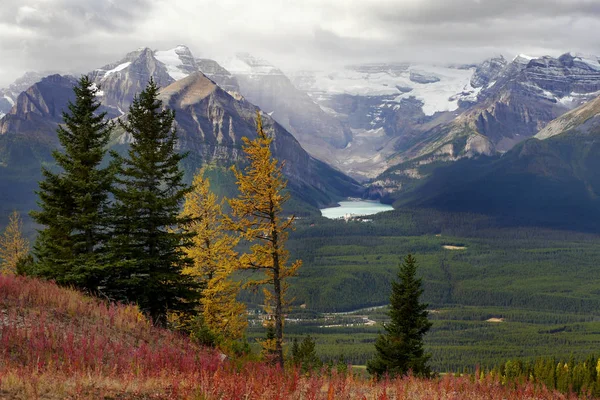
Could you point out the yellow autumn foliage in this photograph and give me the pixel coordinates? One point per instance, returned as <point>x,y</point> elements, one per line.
<point>13,246</point>
<point>257,216</point>
<point>215,260</point>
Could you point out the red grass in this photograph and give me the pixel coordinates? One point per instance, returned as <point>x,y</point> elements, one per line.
<point>56,343</point>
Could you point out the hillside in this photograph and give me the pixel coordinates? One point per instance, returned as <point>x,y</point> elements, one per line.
<point>552,182</point>
<point>57,344</point>
<point>583,119</point>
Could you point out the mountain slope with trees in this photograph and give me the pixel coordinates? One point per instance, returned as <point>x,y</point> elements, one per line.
<point>551,182</point>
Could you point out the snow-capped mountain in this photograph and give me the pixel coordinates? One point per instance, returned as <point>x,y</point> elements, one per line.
<point>386,105</point>
<point>389,121</point>
<point>438,88</point>
<point>263,84</point>
<point>514,102</point>
<point>122,80</point>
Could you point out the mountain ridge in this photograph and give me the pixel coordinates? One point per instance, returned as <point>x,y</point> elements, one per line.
<point>210,123</point>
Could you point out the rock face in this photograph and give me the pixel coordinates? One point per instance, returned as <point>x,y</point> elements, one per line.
<point>8,96</point>
<point>488,72</point>
<point>584,119</point>
<point>528,93</point>
<point>266,86</point>
<point>215,72</point>
<point>120,81</point>
<point>211,123</point>
<point>39,108</point>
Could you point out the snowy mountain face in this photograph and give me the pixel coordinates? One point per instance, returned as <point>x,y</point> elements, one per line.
<point>513,103</point>
<point>121,80</point>
<point>179,62</point>
<point>386,106</point>
<point>488,71</point>
<point>263,84</point>
<point>438,88</point>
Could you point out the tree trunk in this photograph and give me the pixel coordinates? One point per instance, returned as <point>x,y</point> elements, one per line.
<point>278,296</point>
<point>278,315</point>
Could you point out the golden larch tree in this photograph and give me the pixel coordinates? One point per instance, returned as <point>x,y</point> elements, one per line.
<point>214,261</point>
<point>13,246</point>
<point>257,215</point>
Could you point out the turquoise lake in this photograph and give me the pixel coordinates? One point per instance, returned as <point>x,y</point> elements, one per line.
<point>355,208</point>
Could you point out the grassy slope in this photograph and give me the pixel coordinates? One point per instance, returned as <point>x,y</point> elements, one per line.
<point>57,344</point>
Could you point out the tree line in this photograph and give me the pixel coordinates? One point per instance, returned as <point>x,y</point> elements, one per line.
<point>128,228</point>
<point>568,376</point>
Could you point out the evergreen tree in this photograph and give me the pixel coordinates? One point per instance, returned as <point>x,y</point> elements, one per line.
<point>214,261</point>
<point>13,246</point>
<point>73,202</point>
<point>147,254</point>
<point>304,354</point>
<point>400,349</point>
<point>268,349</point>
<point>258,211</point>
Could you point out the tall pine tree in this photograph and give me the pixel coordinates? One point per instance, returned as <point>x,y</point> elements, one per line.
<point>147,254</point>
<point>258,210</point>
<point>73,202</point>
<point>401,348</point>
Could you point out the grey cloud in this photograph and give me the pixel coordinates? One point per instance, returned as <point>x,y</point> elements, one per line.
<point>443,11</point>
<point>79,35</point>
<point>60,18</point>
<point>67,35</point>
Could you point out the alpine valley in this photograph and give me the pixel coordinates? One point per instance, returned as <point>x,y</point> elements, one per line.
<point>492,170</point>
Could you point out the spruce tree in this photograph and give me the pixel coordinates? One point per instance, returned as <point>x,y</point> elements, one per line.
<point>400,349</point>
<point>73,201</point>
<point>304,354</point>
<point>146,248</point>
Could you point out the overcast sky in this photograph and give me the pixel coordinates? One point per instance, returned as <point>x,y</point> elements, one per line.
<point>80,35</point>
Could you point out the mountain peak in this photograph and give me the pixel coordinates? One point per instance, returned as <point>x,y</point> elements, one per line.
<point>488,71</point>
<point>179,61</point>
<point>189,90</point>
<point>522,58</point>
<point>247,64</point>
